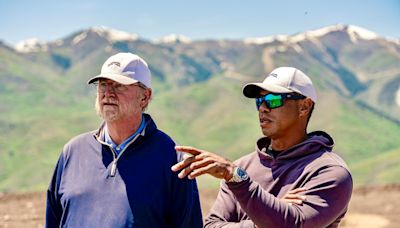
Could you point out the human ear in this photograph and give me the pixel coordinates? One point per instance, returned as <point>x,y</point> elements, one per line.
<point>305,107</point>
<point>146,97</point>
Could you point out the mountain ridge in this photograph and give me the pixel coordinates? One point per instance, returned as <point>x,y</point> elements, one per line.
<point>198,99</point>
<point>355,32</point>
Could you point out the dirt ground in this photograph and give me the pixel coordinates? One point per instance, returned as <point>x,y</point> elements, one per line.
<point>376,206</point>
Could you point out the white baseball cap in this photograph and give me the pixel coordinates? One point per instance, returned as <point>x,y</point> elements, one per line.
<point>283,80</point>
<point>126,69</point>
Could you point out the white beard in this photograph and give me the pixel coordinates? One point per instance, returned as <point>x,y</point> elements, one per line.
<point>112,113</point>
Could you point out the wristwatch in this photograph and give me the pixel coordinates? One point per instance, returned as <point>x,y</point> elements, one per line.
<point>239,175</point>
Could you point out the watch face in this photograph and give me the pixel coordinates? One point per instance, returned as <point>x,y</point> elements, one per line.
<point>239,175</point>
<point>242,174</point>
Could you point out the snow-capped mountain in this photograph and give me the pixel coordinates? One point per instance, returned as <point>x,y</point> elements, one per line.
<point>173,38</point>
<point>355,34</point>
<point>102,32</point>
<point>111,35</point>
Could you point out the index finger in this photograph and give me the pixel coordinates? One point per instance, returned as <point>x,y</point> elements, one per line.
<point>297,190</point>
<point>189,150</point>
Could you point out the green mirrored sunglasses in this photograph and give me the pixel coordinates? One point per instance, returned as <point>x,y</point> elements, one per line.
<point>276,100</point>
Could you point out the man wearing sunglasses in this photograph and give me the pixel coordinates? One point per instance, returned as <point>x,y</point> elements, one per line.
<point>293,179</point>
<point>119,175</point>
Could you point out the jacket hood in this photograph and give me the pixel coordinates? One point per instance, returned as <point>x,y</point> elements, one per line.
<point>317,141</point>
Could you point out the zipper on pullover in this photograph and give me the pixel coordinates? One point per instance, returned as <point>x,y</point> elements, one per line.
<point>114,162</point>
<point>113,170</point>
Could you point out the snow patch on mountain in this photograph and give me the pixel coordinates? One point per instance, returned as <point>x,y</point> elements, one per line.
<point>58,42</point>
<point>265,40</point>
<point>114,34</point>
<point>357,32</point>
<point>394,40</point>
<point>173,38</point>
<point>79,38</point>
<point>297,48</point>
<point>30,45</point>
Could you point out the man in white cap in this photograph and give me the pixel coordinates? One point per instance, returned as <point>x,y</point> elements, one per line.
<point>119,175</point>
<point>293,179</point>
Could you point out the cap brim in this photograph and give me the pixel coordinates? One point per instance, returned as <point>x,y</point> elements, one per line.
<point>115,77</point>
<point>253,90</point>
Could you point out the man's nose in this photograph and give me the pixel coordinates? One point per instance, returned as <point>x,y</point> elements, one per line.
<point>264,108</point>
<point>109,90</point>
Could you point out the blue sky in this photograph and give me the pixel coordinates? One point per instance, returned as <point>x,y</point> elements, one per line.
<point>197,19</point>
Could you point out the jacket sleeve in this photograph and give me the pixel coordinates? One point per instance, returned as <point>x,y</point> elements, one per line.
<point>186,205</point>
<point>328,194</point>
<point>53,205</point>
<point>186,210</point>
<point>225,212</point>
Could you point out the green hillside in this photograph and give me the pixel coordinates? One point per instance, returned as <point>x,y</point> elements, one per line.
<point>381,168</point>
<point>198,100</point>
<point>212,115</point>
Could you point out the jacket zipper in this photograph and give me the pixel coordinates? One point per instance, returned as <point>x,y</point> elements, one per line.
<point>113,167</point>
<point>114,163</point>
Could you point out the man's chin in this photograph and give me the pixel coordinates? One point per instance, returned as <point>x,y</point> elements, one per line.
<point>109,117</point>
<point>266,132</point>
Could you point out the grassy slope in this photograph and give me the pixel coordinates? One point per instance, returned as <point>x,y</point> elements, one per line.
<point>212,115</point>
<point>381,168</point>
<point>33,143</point>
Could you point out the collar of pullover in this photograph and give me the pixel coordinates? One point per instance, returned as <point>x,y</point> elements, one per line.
<point>317,141</point>
<point>149,127</point>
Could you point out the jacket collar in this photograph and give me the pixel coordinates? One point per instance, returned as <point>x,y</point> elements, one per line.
<point>317,141</point>
<point>149,127</point>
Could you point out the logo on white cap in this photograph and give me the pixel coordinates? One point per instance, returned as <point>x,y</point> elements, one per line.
<point>114,63</point>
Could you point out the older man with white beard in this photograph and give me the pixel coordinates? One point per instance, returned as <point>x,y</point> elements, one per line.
<point>119,175</point>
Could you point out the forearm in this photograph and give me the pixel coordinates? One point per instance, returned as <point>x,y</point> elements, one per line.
<point>263,208</point>
<point>327,198</point>
<point>246,204</point>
